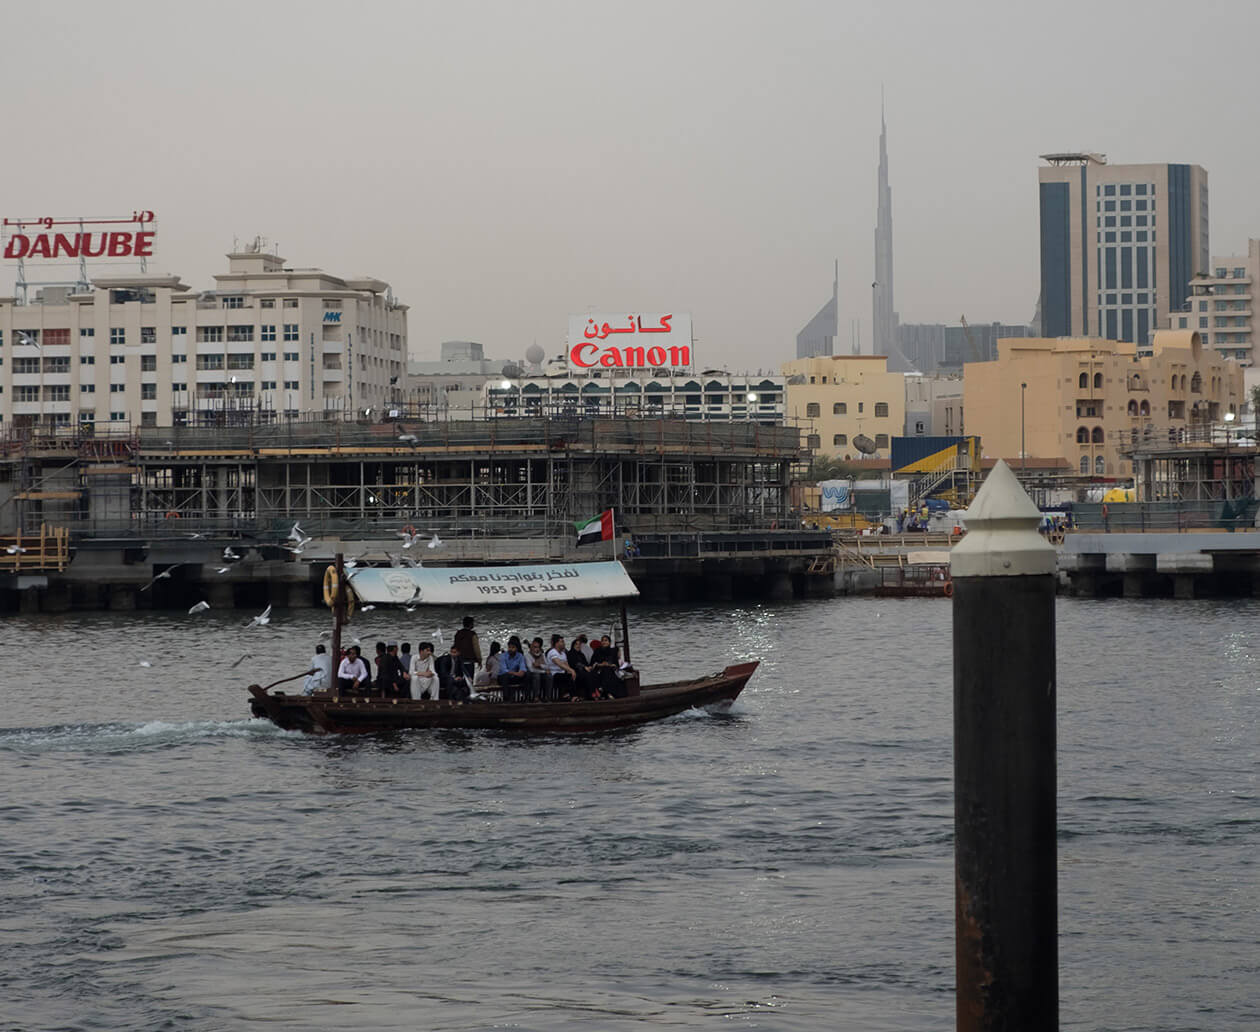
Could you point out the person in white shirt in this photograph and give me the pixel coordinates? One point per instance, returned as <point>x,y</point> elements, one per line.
<point>352,674</point>
<point>424,680</point>
<point>320,674</point>
<point>562,676</point>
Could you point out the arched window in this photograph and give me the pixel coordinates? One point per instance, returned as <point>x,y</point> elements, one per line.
<point>813,442</point>
<point>1144,408</point>
<point>1196,384</point>
<point>1097,381</point>
<point>839,409</point>
<point>1133,407</point>
<point>1082,435</point>
<point>1183,381</point>
<point>881,440</point>
<point>1084,381</point>
<point>1084,463</point>
<point>812,410</point>
<point>1097,436</point>
<point>840,440</point>
<point>881,409</point>
<point>1100,465</point>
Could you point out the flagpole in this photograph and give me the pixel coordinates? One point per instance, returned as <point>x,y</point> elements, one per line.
<point>612,515</point>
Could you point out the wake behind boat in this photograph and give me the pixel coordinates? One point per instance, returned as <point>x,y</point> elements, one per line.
<point>336,712</point>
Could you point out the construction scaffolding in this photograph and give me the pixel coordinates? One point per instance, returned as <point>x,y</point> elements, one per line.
<point>504,477</point>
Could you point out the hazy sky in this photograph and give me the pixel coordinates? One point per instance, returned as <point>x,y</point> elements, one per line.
<point>505,164</point>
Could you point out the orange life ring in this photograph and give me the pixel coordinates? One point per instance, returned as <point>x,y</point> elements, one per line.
<point>948,589</point>
<point>410,529</point>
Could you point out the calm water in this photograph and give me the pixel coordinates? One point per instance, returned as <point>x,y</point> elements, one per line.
<point>168,863</point>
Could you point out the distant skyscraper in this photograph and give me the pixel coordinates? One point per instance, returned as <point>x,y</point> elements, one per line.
<point>884,317</point>
<point>819,335</point>
<point>1119,245</point>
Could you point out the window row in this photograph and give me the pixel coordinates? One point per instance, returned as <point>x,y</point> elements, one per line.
<point>840,408</point>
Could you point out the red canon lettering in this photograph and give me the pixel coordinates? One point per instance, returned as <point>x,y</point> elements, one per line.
<point>575,355</point>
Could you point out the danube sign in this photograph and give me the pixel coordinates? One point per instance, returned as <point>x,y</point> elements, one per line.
<point>629,341</point>
<point>41,238</point>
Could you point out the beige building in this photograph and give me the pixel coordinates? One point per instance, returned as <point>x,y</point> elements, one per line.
<point>269,341</point>
<point>1222,305</point>
<point>1083,397</point>
<point>842,396</point>
<point>934,406</point>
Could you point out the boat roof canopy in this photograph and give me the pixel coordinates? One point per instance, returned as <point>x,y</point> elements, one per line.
<point>492,585</point>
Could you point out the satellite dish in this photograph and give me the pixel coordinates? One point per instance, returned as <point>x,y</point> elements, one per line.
<point>864,444</point>
<point>534,354</point>
<point>511,369</point>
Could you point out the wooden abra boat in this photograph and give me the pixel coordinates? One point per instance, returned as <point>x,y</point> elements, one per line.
<point>331,714</point>
<point>328,712</point>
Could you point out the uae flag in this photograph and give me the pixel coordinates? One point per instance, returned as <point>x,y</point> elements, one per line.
<point>597,528</point>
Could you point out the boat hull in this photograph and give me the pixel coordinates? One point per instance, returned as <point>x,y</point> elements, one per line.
<point>329,714</point>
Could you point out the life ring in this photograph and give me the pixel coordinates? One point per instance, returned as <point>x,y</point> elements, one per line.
<point>410,530</point>
<point>1105,512</point>
<point>330,591</point>
<point>948,589</point>
<point>172,515</point>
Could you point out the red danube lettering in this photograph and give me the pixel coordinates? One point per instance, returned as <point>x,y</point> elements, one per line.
<point>81,245</point>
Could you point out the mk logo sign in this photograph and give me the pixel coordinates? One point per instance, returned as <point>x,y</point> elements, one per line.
<point>332,317</point>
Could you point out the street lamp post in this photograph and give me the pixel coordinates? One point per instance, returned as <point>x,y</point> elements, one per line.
<point>1023,454</point>
<point>1229,477</point>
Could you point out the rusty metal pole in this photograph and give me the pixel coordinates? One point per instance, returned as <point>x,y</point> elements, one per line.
<point>339,616</point>
<point>1005,903</point>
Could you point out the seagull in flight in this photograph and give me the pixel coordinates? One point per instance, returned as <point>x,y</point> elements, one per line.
<point>164,575</point>
<point>194,536</point>
<point>262,619</point>
<point>222,569</point>
<point>15,550</point>
<point>235,664</point>
<point>367,609</point>
<point>436,542</point>
<point>145,663</point>
<point>409,438</point>
<point>296,533</point>
<point>229,555</point>
<point>27,339</point>
<point>200,607</point>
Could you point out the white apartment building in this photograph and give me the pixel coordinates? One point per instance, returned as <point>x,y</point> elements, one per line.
<point>1221,305</point>
<point>269,342</point>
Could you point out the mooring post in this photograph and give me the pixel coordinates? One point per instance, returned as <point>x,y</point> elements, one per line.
<point>1005,894</point>
<point>339,617</point>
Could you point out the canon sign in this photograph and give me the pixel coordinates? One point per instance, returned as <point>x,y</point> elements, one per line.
<point>655,341</point>
<point>80,245</point>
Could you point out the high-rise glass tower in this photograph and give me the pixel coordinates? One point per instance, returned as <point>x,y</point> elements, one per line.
<point>1119,245</point>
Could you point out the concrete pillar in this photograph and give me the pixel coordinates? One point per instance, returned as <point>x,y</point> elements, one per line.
<point>299,595</point>
<point>1134,585</point>
<point>1183,585</point>
<point>1006,894</point>
<point>779,587</point>
<point>56,598</point>
<point>122,597</point>
<point>718,587</point>
<point>220,595</point>
<point>28,601</point>
<point>1085,585</point>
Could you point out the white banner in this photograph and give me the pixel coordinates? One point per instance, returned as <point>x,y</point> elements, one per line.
<point>488,585</point>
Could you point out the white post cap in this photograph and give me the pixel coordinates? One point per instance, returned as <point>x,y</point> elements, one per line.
<point>1002,532</point>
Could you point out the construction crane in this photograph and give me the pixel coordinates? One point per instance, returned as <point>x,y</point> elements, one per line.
<point>971,344</point>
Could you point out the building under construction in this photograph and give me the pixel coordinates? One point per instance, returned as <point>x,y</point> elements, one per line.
<point>701,508</point>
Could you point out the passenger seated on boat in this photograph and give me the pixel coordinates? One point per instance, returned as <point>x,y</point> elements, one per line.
<point>378,681</point>
<point>513,671</point>
<point>562,675</point>
<point>604,669</point>
<point>424,680</point>
<point>452,677</point>
<point>536,663</point>
<point>582,682</point>
<point>352,674</point>
<point>319,676</point>
<point>395,683</point>
<point>488,675</point>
